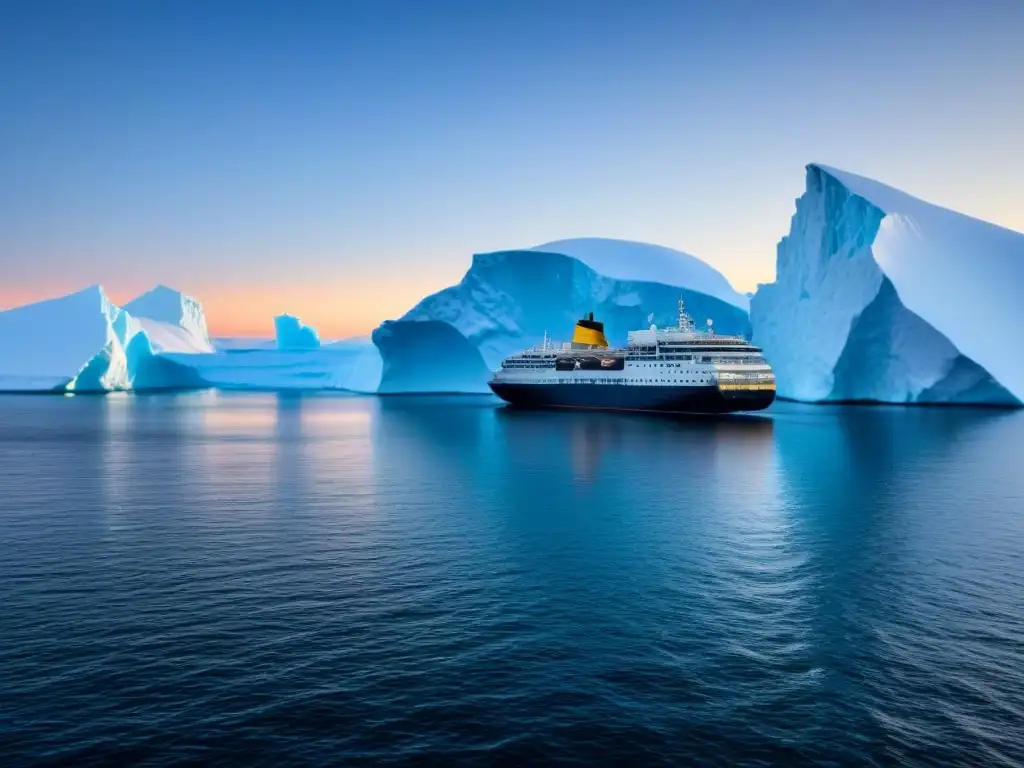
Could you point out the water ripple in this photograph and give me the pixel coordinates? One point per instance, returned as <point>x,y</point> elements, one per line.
<point>279,580</point>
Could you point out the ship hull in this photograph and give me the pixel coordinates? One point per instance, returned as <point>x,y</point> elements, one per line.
<point>621,397</point>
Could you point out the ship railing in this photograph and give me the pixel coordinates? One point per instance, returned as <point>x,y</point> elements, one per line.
<point>551,346</point>
<point>741,378</point>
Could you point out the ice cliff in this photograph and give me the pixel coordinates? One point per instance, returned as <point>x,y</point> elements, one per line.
<point>173,321</point>
<point>428,356</point>
<point>508,300</point>
<point>880,296</point>
<point>292,334</point>
<point>85,343</point>
<point>81,343</point>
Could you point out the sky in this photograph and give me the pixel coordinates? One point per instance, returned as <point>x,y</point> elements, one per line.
<point>341,160</point>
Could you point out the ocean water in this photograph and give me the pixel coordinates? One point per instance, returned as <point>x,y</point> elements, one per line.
<point>271,580</point>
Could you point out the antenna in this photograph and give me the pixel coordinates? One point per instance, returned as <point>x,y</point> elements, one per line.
<point>685,321</point>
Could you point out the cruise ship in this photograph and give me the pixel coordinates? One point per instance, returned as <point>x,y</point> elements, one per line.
<point>679,369</point>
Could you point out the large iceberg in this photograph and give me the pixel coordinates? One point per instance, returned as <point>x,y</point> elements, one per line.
<point>293,334</point>
<point>82,342</point>
<point>173,321</point>
<point>509,300</point>
<point>428,356</point>
<point>352,367</point>
<point>880,296</point>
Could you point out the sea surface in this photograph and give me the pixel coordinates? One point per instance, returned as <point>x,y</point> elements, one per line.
<point>257,579</point>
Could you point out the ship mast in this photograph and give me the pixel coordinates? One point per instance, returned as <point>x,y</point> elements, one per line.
<point>685,324</point>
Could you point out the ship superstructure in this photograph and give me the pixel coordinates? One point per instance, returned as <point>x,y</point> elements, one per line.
<point>660,369</point>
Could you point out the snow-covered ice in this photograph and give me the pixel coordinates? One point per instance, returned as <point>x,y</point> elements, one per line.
<point>49,343</point>
<point>81,343</point>
<point>173,321</point>
<point>880,296</point>
<point>239,343</point>
<point>634,262</point>
<point>294,361</point>
<point>232,343</point>
<point>258,364</point>
<point>356,368</point>
<point>508,300</point>
<point>293,334</point>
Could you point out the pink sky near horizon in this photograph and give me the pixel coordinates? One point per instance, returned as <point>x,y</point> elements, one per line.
<point>342,162</point>
<point>336,310</point>
<point>356,301</point>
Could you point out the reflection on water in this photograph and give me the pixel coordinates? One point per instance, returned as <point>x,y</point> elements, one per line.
<point>309,577</point>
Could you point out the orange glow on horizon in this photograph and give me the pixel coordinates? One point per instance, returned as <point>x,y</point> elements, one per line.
<point>335,310</point>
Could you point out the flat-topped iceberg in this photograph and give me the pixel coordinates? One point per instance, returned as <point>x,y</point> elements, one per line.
<point>353,367</point>
<point>880,296</point>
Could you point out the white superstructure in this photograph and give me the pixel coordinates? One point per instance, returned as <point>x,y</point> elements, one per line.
<point>674,357</point>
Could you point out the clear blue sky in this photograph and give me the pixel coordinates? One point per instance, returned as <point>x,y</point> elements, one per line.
<point>341,159</point>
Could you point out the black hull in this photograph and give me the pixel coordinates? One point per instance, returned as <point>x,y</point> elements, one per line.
<point>623,397</point>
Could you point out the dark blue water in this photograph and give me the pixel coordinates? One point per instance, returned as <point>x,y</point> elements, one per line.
<point>267,580</point>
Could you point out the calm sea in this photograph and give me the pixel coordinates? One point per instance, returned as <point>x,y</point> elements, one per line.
<point>271,580</point>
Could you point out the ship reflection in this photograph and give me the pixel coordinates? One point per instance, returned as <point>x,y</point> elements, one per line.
<point>597,438</point>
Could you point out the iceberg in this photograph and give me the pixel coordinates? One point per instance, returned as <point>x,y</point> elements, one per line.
<point>295,361</point>
<point>85,343</point>
<point>350,342</point>
<point>508,300</point>
<point>81,343</point>
<point>292,334</point>
<point>355,368</point>
<point>173,321</point>
<point>646,262</point>
<point>882,297</point>
<point>428,356</point>
<point>233,343</point>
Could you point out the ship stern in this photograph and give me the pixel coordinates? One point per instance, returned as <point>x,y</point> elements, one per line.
<point>746,397</point>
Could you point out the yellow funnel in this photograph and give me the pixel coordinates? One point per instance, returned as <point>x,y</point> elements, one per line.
<point>589,333</point>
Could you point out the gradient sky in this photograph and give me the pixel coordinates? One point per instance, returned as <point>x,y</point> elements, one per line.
<point>340,160</point>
